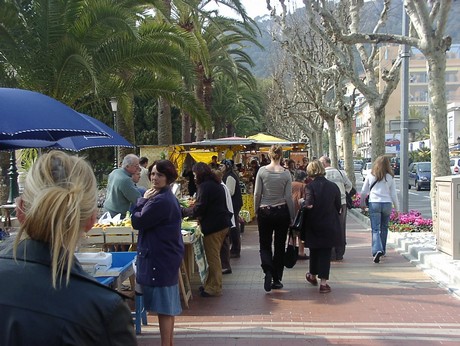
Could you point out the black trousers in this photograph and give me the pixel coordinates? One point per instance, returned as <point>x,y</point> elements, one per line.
<point>235,235</point>
<point>273,221</point>
<point>320,262</point>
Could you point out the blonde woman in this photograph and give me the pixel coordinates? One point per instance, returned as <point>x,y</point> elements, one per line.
<point>275,212</point>
<point>46,297</point>
<point>380,186</point>
<point>322,226</point>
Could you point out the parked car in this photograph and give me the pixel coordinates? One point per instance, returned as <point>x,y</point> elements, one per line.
<point>366,170</point>
<point>357,165</point>
<point>395,164</point>
<point>420,175</point>
<point>455,165</point>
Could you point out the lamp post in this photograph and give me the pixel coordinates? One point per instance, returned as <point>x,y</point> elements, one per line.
<point>114,106</point>
<point>13,173</point>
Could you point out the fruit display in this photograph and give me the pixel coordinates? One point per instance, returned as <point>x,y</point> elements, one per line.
<point>115,222</point>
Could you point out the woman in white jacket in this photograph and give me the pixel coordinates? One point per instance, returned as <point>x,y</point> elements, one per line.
<point>380,186</point>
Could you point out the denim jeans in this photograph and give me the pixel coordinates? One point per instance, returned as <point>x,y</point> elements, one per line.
<point>380,217</point>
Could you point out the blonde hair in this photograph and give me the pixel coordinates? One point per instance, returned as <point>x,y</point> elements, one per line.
<point>381,167</point>
<point>316,169</point>
<point>275,152</point>
<point>60,196</point>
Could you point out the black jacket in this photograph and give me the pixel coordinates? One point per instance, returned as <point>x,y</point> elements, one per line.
<point>237,199</point>
<point>210,208</point>
<point>33,313</point>
<point>322,223</point>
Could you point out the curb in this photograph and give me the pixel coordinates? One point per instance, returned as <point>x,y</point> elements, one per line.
<point>420,250</point>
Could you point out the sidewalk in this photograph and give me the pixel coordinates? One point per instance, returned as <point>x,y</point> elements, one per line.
<point>420,250</point>
<point>391,303</point>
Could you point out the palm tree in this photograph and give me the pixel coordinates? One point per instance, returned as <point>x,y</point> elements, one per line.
<point>192,17</point>
<point>85,52</point>
<point>223,40</point>
<point>234,109</point>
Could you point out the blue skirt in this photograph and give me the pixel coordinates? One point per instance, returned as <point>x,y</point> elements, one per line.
<point>162,300</point>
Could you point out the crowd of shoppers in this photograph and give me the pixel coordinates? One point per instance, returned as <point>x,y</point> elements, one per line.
<point>279,193</point>
<point>46,296</point>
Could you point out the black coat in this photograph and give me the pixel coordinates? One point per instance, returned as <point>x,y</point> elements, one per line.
<point>322,223</point>
<point>237,199</point>
<point>210,208</point>
<point>33,313</point>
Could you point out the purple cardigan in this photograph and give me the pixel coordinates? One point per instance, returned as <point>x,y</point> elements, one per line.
<point>160,248</point>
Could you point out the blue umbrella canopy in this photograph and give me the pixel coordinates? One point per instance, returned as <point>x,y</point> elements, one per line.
<point>26,114</point>
<point>78,143</point>
<point>74,143</point>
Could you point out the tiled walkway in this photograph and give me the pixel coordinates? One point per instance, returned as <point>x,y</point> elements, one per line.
<point>391,303</point>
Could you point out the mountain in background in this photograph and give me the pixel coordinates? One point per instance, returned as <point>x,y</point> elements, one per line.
<point>266,59</point>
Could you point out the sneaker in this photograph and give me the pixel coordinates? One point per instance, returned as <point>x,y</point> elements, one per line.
<point>226,271</point>
<point>377,256</point>
<point>324,288</point>
<point>277,285</point>
<point>268,282</point>
<point>235,255</point>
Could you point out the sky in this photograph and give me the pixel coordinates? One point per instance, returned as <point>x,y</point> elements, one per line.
<point>254,8</point>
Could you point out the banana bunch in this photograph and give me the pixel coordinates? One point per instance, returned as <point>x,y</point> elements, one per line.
<point>126,223</point>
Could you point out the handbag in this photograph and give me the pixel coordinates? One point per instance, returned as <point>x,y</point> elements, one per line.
<point>298,221</point>
<point>349,198</point>
<point>292,251</point>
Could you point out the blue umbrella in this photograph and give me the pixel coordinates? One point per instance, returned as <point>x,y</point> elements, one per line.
<point>78,143</point>
<point>75,143</point>
<point>26,114</point>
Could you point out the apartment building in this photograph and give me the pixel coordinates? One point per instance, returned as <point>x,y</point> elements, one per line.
<point>418,99</point>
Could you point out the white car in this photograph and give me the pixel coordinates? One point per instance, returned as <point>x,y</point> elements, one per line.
<point>366,170</point>
<point>455,165</point>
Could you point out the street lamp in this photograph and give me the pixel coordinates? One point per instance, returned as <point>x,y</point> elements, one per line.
<point>114,106</point>
<point>13,173</point>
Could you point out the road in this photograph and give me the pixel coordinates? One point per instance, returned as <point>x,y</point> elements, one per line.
<point>418,200</point>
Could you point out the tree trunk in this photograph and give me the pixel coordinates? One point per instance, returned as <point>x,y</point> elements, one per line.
<point>164,123</point>
<point>164,108</point>
<point>348,148</point>
<point>438,119</point>
<point>332,141</point>
<point>377,130</point>
<point>186,128</point>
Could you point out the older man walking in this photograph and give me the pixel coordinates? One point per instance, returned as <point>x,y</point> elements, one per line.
<point>340,178</point>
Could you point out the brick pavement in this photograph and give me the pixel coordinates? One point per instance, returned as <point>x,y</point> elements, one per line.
<point>391,303</point>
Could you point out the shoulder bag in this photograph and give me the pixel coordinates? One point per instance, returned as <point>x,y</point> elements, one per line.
<point>367,197</point>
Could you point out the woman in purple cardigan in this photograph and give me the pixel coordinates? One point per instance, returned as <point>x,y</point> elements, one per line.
<point>160,248</point>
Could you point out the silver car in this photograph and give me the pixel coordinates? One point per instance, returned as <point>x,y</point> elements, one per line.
<point>357,165</point>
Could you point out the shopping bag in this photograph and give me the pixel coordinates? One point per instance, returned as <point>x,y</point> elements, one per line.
<point>292,250</point>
